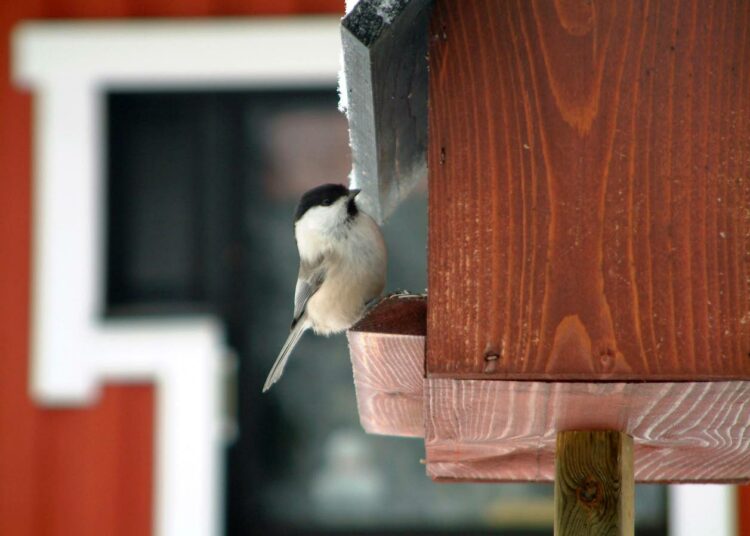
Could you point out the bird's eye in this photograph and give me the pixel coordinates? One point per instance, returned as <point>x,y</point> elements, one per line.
<point>326,202</point>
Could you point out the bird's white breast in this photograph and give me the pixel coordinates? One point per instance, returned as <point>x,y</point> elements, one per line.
<point>356,263</point>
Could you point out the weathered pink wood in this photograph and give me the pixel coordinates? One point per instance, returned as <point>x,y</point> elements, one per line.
<point>505,430</point>
<point>387,352</point>
<point>388,373</point>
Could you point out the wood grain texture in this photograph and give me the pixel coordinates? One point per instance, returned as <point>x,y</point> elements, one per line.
<point>505,430</point>
<point>399,314</point>
<point>589,189</point>
<point>387,353</point>
<point>594,487</point>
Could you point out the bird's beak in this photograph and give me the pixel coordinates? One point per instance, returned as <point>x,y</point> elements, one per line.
<point>353,193</point>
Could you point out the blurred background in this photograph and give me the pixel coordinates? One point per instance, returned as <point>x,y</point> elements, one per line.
<point>202,185</point>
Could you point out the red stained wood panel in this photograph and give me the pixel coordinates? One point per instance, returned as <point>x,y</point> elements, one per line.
<point>94,468</point>
<point>589,192</point>
<point>743,509</point>
<point>65,9</point>
<point>18,420</point>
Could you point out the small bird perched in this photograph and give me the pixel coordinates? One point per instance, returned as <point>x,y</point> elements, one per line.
<point>342,266</point>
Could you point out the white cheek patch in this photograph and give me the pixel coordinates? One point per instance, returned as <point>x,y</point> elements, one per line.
<point>316,218</point>
<point>318,227</point>
<point>309,242</point>
<point>324,219</point>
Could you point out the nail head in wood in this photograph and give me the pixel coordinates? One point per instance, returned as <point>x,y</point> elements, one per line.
<point>491,356</point>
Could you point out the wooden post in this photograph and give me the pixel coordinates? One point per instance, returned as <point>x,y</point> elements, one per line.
<point>594,483</point>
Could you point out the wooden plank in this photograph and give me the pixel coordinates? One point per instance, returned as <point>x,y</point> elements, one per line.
<point>594,488</point>
<point>505,430</point>
<point>387,353</point>
<point>407,315</point>
<point>589,200</point>
<point>385,95</point>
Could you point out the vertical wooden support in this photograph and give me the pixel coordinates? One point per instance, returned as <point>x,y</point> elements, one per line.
<point>594,484</point>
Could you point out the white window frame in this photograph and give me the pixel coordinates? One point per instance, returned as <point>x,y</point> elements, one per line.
<point>74,349</point>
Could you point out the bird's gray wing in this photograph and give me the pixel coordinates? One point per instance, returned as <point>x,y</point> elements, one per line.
<point>311,276</point>
<point>309,280</point>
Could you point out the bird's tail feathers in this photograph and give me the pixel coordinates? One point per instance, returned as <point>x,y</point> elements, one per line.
<point>291,341</point>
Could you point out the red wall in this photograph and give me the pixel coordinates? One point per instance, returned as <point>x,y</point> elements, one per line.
<point>73,472</point>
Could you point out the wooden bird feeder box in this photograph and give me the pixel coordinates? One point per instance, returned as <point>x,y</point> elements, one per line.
<point>589,233</point>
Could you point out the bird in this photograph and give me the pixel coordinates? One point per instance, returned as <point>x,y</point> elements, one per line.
<point>342,266</point>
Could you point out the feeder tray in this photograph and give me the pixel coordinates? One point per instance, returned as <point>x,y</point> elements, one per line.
<point>588,237</point>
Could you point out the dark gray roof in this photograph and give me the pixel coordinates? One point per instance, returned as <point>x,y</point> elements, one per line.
<point>385,65</point>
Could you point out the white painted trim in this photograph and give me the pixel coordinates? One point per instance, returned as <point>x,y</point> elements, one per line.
<point>234,52</point>
<point>75,350</point>
<point>702,509</point>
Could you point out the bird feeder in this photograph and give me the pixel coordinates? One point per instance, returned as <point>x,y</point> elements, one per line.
<point>589,240</point>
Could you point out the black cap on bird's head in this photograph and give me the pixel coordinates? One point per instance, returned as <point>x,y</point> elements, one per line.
<point>326,195</point>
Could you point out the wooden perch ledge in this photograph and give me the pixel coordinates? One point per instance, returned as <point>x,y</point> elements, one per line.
<point>696,431</point>
<point>387,349</point>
